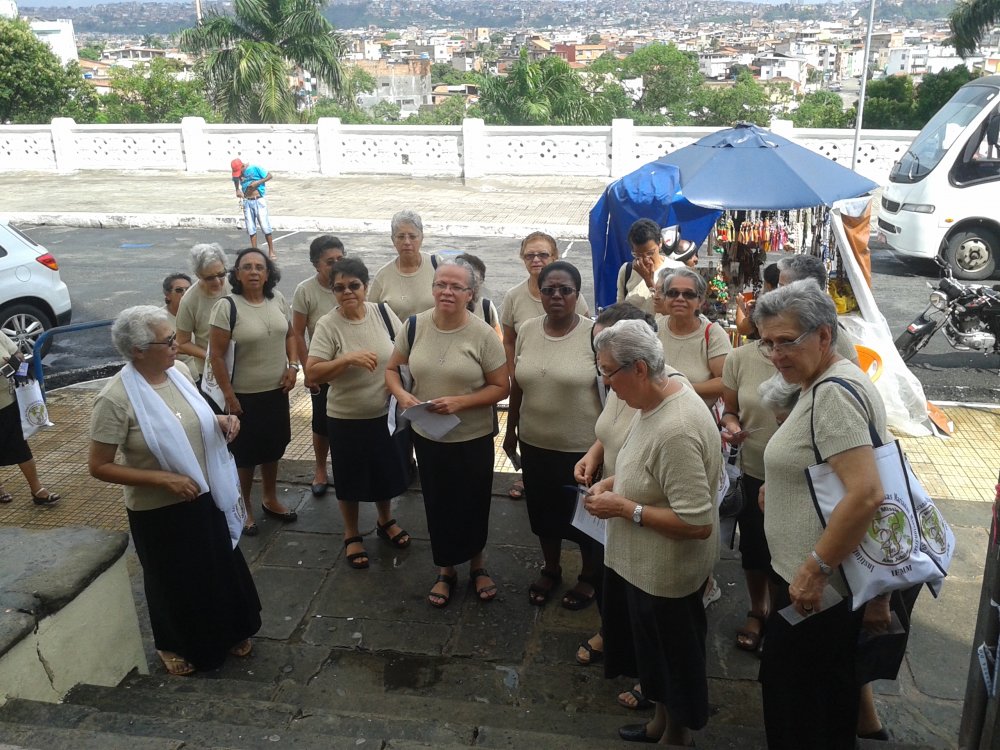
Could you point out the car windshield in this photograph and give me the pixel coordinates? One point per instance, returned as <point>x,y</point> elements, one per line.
<point>941,132</point>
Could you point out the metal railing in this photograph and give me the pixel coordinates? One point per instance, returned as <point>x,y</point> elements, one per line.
<point>36,361</point>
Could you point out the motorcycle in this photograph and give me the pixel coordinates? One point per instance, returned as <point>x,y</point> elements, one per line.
<point>968,314</point>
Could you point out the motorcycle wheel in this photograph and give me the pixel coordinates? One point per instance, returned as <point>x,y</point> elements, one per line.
<point>909,344</point>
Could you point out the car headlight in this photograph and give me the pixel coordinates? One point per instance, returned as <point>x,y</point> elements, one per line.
<point>917,208</point>
<point>939,300</point>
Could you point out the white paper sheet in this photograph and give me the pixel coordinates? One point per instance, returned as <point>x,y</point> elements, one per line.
<point>592,526</point>
<point>829,598</point>
<point>435,426</point>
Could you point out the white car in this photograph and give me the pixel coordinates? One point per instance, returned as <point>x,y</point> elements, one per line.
<point>32,296</point>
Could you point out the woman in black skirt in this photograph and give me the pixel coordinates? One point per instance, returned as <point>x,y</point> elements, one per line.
<point>263,373</point>
<point>458,365</point>
<point>350,347</point>
<point>13,447</point>
<point>181,496</point>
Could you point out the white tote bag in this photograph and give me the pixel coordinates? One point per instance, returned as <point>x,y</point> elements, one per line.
<point>209,384</point>
<point>894,553</point>
<point>31,405</point>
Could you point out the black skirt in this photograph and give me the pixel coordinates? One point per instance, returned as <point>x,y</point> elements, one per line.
<point>547,476</point>
<point>202,600</point>
<point>367,460</point>
<point>457,484</point>
<point>319,409</point>
<point>662,642</point>
<point>265,428</point>
<point>13,447</point>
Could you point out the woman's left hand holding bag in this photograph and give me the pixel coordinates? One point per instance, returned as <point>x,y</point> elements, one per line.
<point>230,426</point>
<point>182,486</point>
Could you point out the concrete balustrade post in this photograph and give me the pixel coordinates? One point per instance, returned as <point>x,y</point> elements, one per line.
<point>195,144</point>
<point>328,140</point>
<point>473,148</point>
<point>622,143</point>
<point>63,147</point>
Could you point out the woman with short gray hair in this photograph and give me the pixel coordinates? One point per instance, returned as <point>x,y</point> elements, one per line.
<point>662,535</point>
<point>182,497</point>
<point>837,411</point>
<point>404,284</point>
<point>208,262</point>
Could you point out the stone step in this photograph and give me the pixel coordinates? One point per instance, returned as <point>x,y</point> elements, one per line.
<point>28,736</point>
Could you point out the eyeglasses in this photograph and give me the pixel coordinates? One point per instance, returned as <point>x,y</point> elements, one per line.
<point>180,289</point>
<point>645,256</point>
<point>253,267</point>
<point>770,348</point>
<point>218,276</point>
<point>440,286</point>
<point>341,288</point>
<point>536,256</point>
<point>565,291</point>
<point>609,375</point>
<point>171,341</point>
<point>687,294</point>
<point>404,237</point>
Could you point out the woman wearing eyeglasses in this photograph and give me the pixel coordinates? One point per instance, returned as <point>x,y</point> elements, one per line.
<point>637,278</point>
<point>524,302</point>
<point>405,283</point>
<point>350,348</point>
<point>554,404</point>
<point>458,366</point>
<point>264,371</point>
<point>208,262</point>
<point>310,302</point>
<point>181,496</point>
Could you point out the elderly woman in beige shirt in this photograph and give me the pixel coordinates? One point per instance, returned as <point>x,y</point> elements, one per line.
<point>405,283</point>
<point>208,261</point>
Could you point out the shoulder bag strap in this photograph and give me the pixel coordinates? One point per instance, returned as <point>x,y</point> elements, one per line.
<point>385,319</point>
<point>434,262</point>
<point>628,275</point>
<point>232,314</point>
<point>411,332</point>
<point>876,438</point>
<point>486,311</point>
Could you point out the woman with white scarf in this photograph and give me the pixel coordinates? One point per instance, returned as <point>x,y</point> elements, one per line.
<point>181,495</point>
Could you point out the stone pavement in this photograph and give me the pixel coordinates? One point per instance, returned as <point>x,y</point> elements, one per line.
<point>322,619</point>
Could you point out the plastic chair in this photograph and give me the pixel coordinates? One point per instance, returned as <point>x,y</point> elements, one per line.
<point>870,361</point>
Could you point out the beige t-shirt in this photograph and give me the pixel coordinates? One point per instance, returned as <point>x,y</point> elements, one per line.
<point>314,301</point>
<point>690,353</point>
<point>453,363</point>
<point>406,293</point>
<point>519,306</point>
<point>261,359</point>
<point>356,393</point>
<point>494,319</point>
<point>187,359</point>
<point>560,403</point>
<point>791,523</point>
<point>7,349</point>
<point>671,458</point>
<point>745,369</point>
<point>113,422</point>
<point>193,316</point>
<point>634,291</point>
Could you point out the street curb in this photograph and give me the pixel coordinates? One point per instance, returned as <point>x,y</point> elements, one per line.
<point>89,220</point>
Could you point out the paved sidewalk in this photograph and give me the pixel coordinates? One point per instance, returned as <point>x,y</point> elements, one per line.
<point>505,207</point>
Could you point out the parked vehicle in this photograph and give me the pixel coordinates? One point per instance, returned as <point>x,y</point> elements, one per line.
<point>944,192</point>
<point>969,315</point>
<point>32,296</point>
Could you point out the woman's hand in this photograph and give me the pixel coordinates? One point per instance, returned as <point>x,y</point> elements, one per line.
<point>179,485</point>
<point>806,589</point>
<point>407,400</point>
<point>605,485</point>
<point>877,616</point>
<point>605,504</point>
<point>288,379</point>
<point>446,405</point>
<point>644,267</point>
<point>233,405</point>
<point>363,359</point>
<point>230,426</point>
<point>586,469</point>
<point>732,431</point>
<point>510,438</point>
<point>760,497</point>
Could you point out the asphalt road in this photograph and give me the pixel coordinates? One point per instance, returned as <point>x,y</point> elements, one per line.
<point>109,270</point>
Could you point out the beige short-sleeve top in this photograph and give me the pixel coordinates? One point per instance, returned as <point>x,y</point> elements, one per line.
<point>313,300</point>
<point>406,293</point>
<point>194,318</point>
<point>260,331</point>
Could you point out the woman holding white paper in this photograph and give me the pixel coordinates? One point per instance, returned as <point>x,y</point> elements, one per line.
<point>458,367</point>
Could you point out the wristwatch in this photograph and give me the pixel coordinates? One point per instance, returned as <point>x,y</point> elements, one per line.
<point>637,515</point>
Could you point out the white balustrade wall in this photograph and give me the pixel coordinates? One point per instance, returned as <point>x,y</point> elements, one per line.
<point>471,150</point>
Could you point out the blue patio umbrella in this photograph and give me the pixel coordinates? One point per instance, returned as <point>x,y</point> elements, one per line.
<point>749,167</point>
<point>650,192</point>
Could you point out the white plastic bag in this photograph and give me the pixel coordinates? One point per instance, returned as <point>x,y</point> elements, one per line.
<point>31,405</point>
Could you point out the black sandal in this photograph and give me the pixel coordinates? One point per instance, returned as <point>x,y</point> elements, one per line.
<point>577,600</point>
<point>50,498</point>
<point>443,598</point>
<point>749,640</point>
<point>489,591</point>
<point>382,529</point>
<point>594,655</point>
<point>539,595</point>
<point>353,558</point>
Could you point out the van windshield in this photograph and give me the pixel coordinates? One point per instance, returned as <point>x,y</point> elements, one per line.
<point>938,135</point>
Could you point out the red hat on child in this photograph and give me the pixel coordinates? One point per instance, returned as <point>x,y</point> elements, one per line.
<point>237,166</point>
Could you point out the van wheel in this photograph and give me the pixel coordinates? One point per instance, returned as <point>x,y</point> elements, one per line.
<point>972,254</point>
<point>23,324</point>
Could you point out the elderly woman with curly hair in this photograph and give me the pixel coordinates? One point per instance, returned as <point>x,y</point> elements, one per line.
<point>662,535</point>
<point>264,372</point>
<point>181,497</point>
<point>208,262</point>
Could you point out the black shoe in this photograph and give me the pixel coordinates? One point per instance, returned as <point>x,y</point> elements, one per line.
<point>636,733</point>
<point>288,516</point>
<point>319,490</point>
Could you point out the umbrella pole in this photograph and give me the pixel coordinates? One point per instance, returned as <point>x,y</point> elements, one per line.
<point>864,85</point>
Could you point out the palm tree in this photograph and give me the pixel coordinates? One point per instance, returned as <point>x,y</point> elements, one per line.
<point>970,21</point>
<point>249,56</point>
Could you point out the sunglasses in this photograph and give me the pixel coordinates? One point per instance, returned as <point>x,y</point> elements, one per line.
<point>685,293</point>
<point>171,341</point>
<point>219,276</point>
<point>536,256</point>
<point>565,291</point>
<point>341,288</point>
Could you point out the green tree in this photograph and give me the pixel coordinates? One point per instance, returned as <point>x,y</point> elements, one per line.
<point>153,94</point>
<point>496,38</point>
<point>670,78</point>
<point>744,101</point>
<point>91,51</point>
<point>444,73</point>
<point>594,38</point>
<point>449,112</point>
<point>889,104</point>
<point>152,40</point>
<point>386,112</point>
<point>822,109</point>
<point>355,82</point>
<point>247,56</point>
<point>333,108</point>
<point>937,88</point>
<point>970,21</point>
<point>34,87</point>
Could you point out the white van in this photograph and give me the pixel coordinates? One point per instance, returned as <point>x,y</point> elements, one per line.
<point>944,192</point>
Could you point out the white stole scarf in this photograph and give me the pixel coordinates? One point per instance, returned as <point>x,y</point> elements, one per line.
<point>169,443</point>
